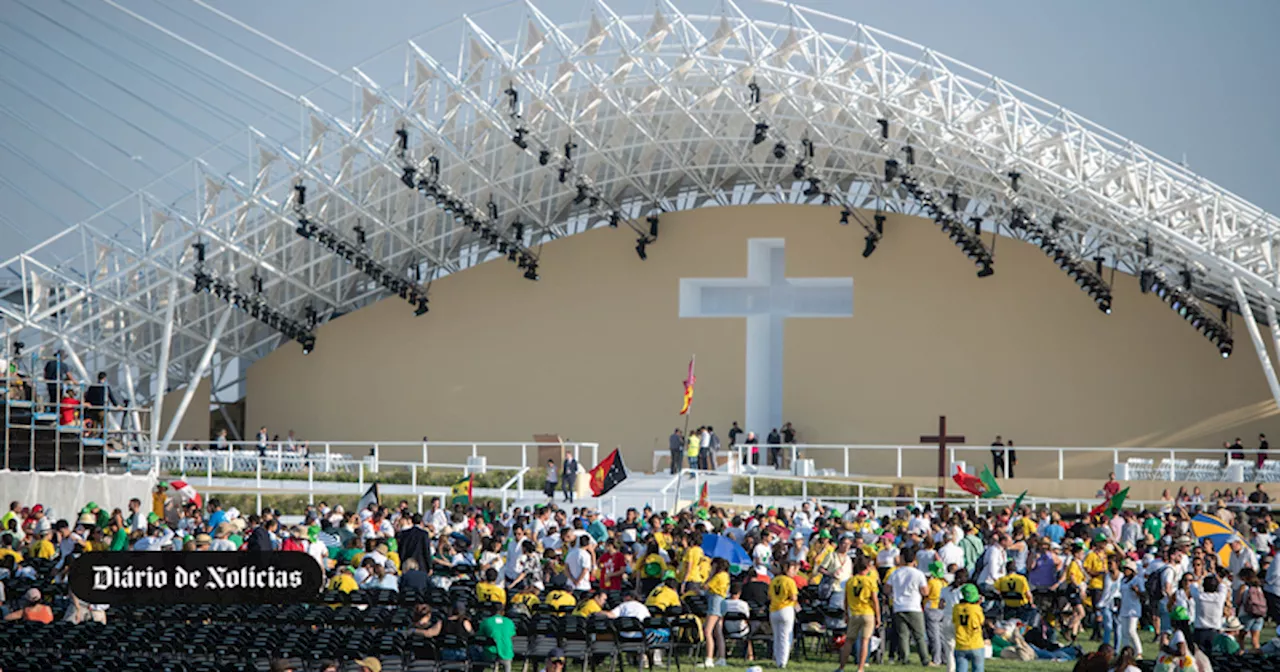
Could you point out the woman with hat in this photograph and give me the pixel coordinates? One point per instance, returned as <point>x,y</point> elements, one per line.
<point>967,619</point>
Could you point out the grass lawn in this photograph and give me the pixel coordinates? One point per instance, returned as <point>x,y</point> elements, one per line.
<point>827,662</point>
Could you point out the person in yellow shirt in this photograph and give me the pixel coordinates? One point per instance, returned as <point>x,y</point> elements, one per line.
<point>967,619</point>
<point>862,602</point>
<point>664,596</point>
<point>489,590</point>
<point>695,446</point>
<point>717,591</point>
<point>561,599</point>
<point>528,596</point>
<point>7,550</point>
<point>1095,567</point>
<point>1016,593</point>
<point>1072,584</point>
<point>691,563</point>
<point>651,567</point>
<point>591,604</point>
<point>43,548</point>
<point>783,599</point>
<point>344,582</point>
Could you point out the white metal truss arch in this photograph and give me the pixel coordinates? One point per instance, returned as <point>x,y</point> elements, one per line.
<point>659,109</point>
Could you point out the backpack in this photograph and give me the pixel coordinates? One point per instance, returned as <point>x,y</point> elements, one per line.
<point>1155,585</point>
<point>1255,603</point>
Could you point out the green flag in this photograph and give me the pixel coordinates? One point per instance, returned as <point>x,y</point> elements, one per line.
<point>1018,502</point>
<point>1112,506</point>
<point>993,489</point>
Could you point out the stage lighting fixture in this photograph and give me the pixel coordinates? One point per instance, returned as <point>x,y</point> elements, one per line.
<point>977,225</point>
<point>814,187</point>
<point>17,348</point>
<point>879,222</point>
<point>531,273</point>
<point>890,170</point>
<point>844,217</point>
<point>308,344</point>
<point>360,235</point>
<point>511,254</point>
<point>799,170</point>
<point>1014,176</point>
<point>780,150</point>
<point>614,218</point>
<point>755,92</point>
<point>524,261</point>
<point>301,191</point>
<point>513,99</point>
<point>304,228</point>
<point>423,307</point>
<point>311,316</point>
<point>407,177</point>
<point>519,138</point>
<point>517,230</point>
<point>884,128</point>
<point>871,245</point>
<point>641,242</point>
<point>544,156</point>
<point>653,226</point>
<point>762,133</point>
<point>403,140</point>
<point>1146,279</point>
<point>256,280</point>
<point>911,155</point>
<point>199,248</point>
<point>582,194</point>
<point>564,175</point>
<point>568,150</point>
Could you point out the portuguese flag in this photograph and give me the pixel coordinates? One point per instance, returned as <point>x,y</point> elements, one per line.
<point>608,474</point>
<point>460,492</point>
<point>704,499</point>
<point>984,486</point>
<point>1112,506</point>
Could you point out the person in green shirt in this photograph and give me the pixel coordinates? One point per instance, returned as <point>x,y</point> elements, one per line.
<point>1153,526</point>
<point>501,630</point>
<point>119,537</point>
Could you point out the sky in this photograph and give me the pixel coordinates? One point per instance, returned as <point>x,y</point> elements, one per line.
<point>99,98</point>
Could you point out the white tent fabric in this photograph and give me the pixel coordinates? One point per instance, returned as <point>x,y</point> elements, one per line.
<point>64,494</point>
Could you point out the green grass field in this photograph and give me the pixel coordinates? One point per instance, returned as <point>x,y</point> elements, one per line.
<point>826,662</point>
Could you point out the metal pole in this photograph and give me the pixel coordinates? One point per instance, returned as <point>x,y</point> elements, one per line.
<point>162,381</point>
<point>193,383</point>
<point>1268,370</point>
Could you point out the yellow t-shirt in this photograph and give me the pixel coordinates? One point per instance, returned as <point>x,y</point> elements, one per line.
<point>43,549</point>
<point>589,606</point>
<point>1095,564</point>
<point>560,598</point>
<point>719,584</point>
<point>1027,526</point>
<point>6,552</point>
<point>651,566</point>
<point>344,583</point>
<point>968,619</point>
<point>1010,584</point>
<point>663,539</point>
<point>662,597</point>
<point>782,593</point>
<point>529,600</point>
<point>935,593</point>
<point>692,565</point>
<point>1075,575</point>
<point>695,443</point>
<point>860,595</point>
<point>491,592</point>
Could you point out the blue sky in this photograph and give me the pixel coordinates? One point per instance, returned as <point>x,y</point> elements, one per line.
<point>83,81</point>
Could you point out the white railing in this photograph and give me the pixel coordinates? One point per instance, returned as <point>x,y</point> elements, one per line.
<point>1169,464</point>
<point>518,482</point>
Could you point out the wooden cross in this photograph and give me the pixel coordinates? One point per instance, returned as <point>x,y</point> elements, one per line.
<point>941,439</point>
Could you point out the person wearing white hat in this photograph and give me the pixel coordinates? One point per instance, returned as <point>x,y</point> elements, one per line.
<point>1131,599</point>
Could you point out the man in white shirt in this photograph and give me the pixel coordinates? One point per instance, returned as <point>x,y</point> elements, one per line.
<point>886,558</point>
<point>951,554</point>
<point>159,536</point>
<point>511,569</point>
<point>630,608</point>
<point>580,562</point>
<point>908,587</point>
<point>439,518</point>
<point>996,557</point>
<point>1241,556</point>
<point>762,554</point>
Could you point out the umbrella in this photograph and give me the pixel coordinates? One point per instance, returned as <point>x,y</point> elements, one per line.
<point>1205,526</point>
<point>778,530</point>
<point>720,546</point>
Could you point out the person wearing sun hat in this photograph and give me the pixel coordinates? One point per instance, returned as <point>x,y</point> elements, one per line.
<point>967,619</point>
<point>369,664</point>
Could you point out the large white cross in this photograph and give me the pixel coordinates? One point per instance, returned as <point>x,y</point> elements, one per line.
<point>766,297</point>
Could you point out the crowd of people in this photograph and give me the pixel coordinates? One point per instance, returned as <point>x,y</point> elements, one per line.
<point>949,587</point>
<point>702,445</point>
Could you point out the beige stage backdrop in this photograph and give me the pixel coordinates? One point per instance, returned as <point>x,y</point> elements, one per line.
<point>596,351</point>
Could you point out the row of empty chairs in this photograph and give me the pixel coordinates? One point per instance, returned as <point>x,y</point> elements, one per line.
<point>1200,469</point>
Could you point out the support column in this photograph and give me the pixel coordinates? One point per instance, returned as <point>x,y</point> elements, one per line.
<point>1275,327</point>
<point>162,383</point>
<point>1265,359</point>
<point>193,382</point>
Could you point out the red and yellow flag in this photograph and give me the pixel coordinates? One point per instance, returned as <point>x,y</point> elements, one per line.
<point>688,389</point>
<point>704,499</point>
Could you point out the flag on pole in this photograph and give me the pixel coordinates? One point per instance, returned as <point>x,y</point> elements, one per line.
<point>993,488</point>
<point>1018,502</point>
<point>1112,506</point>
<point>983,486</point>
<point>608,474</point>
<point>688,389</point>
<point>370,497</point>
<point>460,492</point>
<point>704,499</point>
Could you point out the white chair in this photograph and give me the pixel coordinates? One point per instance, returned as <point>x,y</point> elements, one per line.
<point>1204,470</point>
<point>1140,469</point>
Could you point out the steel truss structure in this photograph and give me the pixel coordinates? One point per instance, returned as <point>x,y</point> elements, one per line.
<point>663,108</point>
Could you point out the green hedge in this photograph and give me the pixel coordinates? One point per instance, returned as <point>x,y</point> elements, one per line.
<point>770,487</point>
<point>495,477</point>
<point>297,504</point>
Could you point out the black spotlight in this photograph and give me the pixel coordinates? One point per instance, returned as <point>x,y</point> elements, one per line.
<point>308,344</point>
<point>1146,280</point>
<point>871,245</point>
<point>844,217</point>
<point>884,128</point>
<point>762,133</point>
<point>890,170</point>
<point>531,273</point>
<point>641,242</point>
<point>423,307</point>
<point>519,139</point>
<point>780,150</point>
<point>582,194</point>
<point>301,190</point>
<point>199,248</point>
<point>987,270</point>
<point>799,171</point>
<point>407,177</point>
<point>814,188</point>
<point>544,157</point>
<point>653,226</point>
<point>614,218</point>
